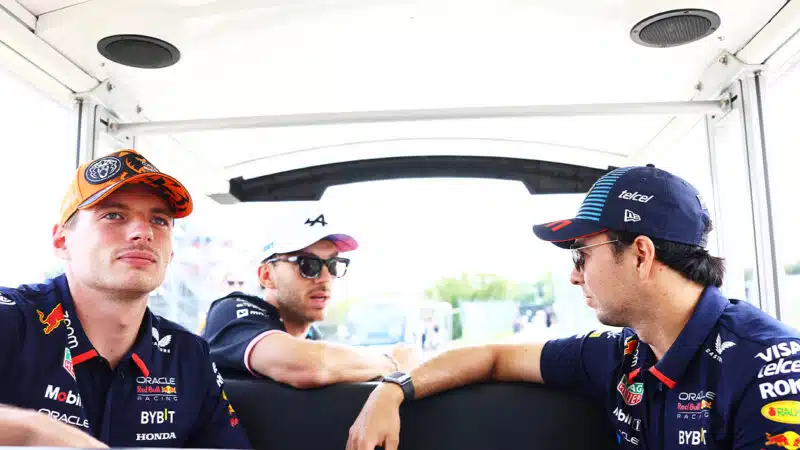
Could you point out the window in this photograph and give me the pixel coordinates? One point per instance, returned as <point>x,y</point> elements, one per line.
<point>782,136</point>
<point>38,145</point>
<point>454,256</point>
<point>735,219</point>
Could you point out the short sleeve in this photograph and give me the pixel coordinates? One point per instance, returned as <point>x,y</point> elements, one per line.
<point>233,326</point>
<point>586,363</point>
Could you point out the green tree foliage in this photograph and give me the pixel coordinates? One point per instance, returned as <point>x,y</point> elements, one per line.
<point>485,287</point>
<point>792,269</point>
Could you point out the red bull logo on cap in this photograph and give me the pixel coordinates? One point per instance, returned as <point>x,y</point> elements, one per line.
<point>788,440</point>
<point>631,392</point>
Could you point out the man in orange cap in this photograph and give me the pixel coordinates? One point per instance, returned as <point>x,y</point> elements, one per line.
<point>84,349</point>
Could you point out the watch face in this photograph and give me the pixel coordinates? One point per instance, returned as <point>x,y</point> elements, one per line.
<point>398,377</point>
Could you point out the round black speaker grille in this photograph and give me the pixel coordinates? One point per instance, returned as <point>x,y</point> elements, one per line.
<point>673,28</point>
<point>143,52</point>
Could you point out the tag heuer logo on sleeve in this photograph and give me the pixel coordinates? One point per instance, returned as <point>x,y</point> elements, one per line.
<point>67,364</point>
<point>631,392</point>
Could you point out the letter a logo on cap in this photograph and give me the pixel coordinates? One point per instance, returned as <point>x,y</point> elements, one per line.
<point>319,220</point>
<point>631,216</point>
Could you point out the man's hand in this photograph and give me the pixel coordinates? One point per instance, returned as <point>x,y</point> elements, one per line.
<point>379,420</point>
<point>48,432</point>
<point>23,427</point>
<point>407,357</point>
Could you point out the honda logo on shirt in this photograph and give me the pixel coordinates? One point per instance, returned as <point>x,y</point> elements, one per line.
<point>155,436</point>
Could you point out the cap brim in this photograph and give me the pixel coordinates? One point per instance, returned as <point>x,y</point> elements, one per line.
<point>343,242</point>
<point>564,232</point>
<point>175,193</point>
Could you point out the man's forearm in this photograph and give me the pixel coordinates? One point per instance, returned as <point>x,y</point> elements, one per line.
<point>16,426</point>
<point>343,364</point>
<point>453,369</point>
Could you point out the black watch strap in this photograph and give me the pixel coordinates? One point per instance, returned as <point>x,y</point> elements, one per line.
<point>404,381</point>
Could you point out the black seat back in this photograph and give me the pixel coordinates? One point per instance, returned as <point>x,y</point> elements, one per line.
<point>492,416</point>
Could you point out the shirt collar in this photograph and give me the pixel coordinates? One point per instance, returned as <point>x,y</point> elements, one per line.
<point>83,350</point>
<point>703,320</point>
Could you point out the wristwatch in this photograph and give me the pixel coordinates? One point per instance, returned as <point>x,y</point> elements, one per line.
<point>404,381</point>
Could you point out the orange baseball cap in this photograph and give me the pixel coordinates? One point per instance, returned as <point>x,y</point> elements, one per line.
<point>97,179</point>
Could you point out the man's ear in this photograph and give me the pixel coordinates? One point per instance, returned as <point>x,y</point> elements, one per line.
<point>645,252</point>
<point>266,276</point>
<point>60,242</point>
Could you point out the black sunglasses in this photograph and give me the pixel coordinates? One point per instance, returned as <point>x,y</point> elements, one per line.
<point>311,266</point>
<point>579,258</point>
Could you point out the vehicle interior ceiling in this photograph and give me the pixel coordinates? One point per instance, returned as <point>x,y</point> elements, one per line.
<point>431,88</point>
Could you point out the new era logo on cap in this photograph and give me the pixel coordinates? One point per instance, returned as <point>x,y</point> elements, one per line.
<point>631,216</point>
<point>643,200</point>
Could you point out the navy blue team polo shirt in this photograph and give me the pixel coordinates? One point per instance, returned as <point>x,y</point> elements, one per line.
<point>235,324</point>
<point>164,393</point>
<point>730,380</point>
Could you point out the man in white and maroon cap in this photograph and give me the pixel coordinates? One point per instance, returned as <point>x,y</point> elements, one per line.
<point>273,336</point>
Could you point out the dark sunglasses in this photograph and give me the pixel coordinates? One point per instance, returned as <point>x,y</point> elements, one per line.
<point>579,258</point>
<point>311,266</point>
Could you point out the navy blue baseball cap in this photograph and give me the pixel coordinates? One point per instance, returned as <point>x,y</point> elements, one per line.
<point>643,200</point>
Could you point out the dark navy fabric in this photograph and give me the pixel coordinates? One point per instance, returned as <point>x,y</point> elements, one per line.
<point>234,324</point>
<point>730,380</point>
<point>643,200</point>
<point>164,393</point>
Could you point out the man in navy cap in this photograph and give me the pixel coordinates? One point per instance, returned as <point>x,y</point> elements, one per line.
<point>84,350</point>
<point>638,245</point>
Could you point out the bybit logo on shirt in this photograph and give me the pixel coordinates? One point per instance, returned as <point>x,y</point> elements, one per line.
<point>158,417</point>
<point>692,437</point>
